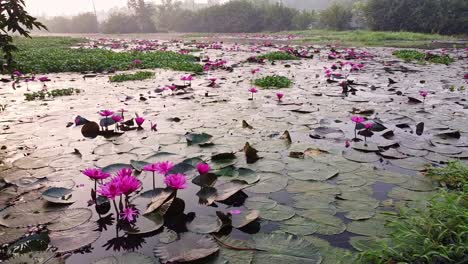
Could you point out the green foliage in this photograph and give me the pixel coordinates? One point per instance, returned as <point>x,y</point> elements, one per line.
<point>120,23</point>
<point>14,19</point>
<point>437,234</point>
<point>445,17</point>
<point>273,81</point>
<point>139,76</point>
<point>337,16</point>
<point>41,95</point>
<point>369,38</point>
<point>413,55</point>
<point>454,176</point>
<point>38,56</point>
<point>278,55</point>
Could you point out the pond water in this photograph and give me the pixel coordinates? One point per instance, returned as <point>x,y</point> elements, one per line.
<point>313,193</point>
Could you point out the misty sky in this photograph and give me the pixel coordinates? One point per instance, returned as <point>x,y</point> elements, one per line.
<point>70,7</point>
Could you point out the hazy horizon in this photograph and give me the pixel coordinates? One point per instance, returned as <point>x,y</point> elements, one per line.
<point>62,7</point>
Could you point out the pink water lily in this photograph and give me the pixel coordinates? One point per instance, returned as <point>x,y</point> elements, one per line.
<point>176,181</point>
<point>423,93</point>
<point>279,96</point>
<point>106,113</point>
<point>139,121</point>
<point>235,212</point>
<point>128,184</point>
<point>164,167</point>
<point>254,71</point>
<point>124,172</point>
<point>137,62</point>
<point>129,214</point>
<point>203,168</point>
<point>358,119</point>
<point>347,144</point>
<point>17,73</point>
<point>253,91</point>
<point>369,125</point>
<point>95,174</point>
<point>110,190</point>
<point>44,79</point>
<point>117,118</point>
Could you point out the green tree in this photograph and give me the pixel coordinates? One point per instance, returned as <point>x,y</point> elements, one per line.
<point>14,19</point>
<point>337,16</point>
<point>143,14</point>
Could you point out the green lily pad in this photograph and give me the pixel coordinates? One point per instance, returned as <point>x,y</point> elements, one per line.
<point>138,165</point>
<point>371,227</point>
<point>416,164</point>
<point>75,238</point>
<point>189,247</point>
<point>299,226</point>
<point>228,252</point>
<point>196,139</point>
<point>71,218</point>
<point>315,172</point>
<point>259,203</point>
<point>278,213</point>
<point>268,183</point>
<point>228,189</point>
<point>244,218</point>
<point>59,195</point>
<point>284,248</point>
<point>326,224</point>
<point>205,224</point>
<point>361,157</point>
<point>127,258</point>
<point>115,167</point>
<point>360,214</point>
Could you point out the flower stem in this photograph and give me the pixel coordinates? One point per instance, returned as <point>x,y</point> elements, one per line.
<point>154,184</point>
<point>116,209</point>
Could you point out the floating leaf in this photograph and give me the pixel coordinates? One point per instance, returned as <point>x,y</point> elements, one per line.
<point>138,165</point>
<point>115,167</point>
<point>317,172</point>
<point>278,213</point>
<point>196,139</point>
<point>147,223</point>
<point>361,157</point>
<point>167,236</point>
<point>260,203</point>
<point>44,257</point>
<point>205,224</point>
<point>234,250</point>
<point>189,247</point>
<point>9,235</point>
<point>299,226</point>
<point>327,224</point>
<point>284,248</point>
<point>75,238</point>
<point>90,130</point>
<point>370,227</point>
<point>268,183</point>
<point>244,218</point>
<point>222,160</point>
<point>417,164</point>
<point>127,258</point>
<point>158,197</point>
<point>59,195</point>
<point>228,189</point>
<point>71,218</point>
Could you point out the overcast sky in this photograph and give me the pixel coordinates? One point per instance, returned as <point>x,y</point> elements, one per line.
<point>70,7</point>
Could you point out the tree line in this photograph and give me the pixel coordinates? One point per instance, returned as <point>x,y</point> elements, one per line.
<point>429,16</point>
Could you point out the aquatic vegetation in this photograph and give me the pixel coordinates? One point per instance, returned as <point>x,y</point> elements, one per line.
<point>278,55</point>
<point>454,176</point>
<point>436,234</point>
<point>50,54</point>
<point>42,95</point>
<point>273,81</point>
<point>139,76</point>
<point>413,55</point>
<point>203,168</point>
<point>176,181</point>
<point>139,121</point>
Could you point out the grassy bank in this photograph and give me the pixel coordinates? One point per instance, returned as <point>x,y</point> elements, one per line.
<point>54,54</point>
<point>369,38</point>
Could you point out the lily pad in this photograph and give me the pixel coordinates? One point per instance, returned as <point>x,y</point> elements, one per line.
<point>285,248</point>
<point>71,218</point>
<point>75,238</point>
<point>316,172</point>
<point>361,157</point>
<point>416,164</point>
<point>260,203</point>
<point>326,224</point>
<point>278,213</point>
<point>189,247</point>
<point>59,195</point>
<point>196,139</point>
<point>127,258</point>
<point>370,227</point>
<point>268,183</point>
<point>138,165</point>
<point>9,235</point>
<point>158,197</point>
<point>299,225</point>
<point>226,190</point>
<point>244,218</point>
<point>205,224</point>
<point>228,250</point>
